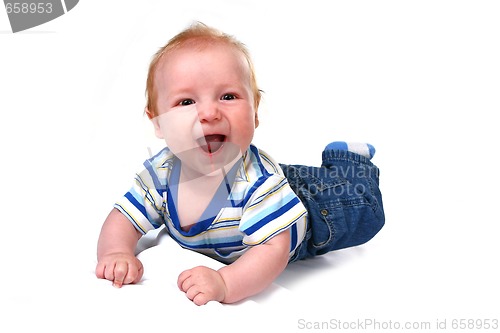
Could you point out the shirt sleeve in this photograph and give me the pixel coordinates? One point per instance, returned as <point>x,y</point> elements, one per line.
<point>143,203</point>
<point>272,208</point>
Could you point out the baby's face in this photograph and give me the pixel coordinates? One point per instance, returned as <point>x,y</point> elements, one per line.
<point>205,106</point>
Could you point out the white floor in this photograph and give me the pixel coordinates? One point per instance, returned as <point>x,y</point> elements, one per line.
<point>419,80</point>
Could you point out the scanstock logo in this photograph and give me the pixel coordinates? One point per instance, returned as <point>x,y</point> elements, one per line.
<point>26,14</point>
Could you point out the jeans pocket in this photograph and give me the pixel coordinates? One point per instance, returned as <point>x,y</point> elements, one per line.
<point>327,228</point>
<point>336,213</point>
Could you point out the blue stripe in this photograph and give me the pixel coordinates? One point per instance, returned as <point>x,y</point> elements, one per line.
<point>275,189</point>
<point>136,204</point>
<point>147,193</point>
<point>260,180</point>
<point>255,186</point>
<point>275,168</point>
<point>227,224</point>
<point>266,208</point>
<point>198,227</point>
<point>154,177</point>
<point>214,245</point>
<point>255,151</point>
<point>293,236</point>
<point>256,226</point>
<point>172,210</point>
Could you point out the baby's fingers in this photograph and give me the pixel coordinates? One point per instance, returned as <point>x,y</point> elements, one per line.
<point>134,274</point>
<point>182,280</point>
<point>120,269</point>
<point>202,299</point>
<point>99,270</point>
<point>130,273</point>
<point>119,273</point>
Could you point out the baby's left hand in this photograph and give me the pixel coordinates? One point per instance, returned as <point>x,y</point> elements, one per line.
<point>202,285</point>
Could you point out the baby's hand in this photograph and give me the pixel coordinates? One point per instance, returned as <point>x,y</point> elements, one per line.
<point>121,268</point>
<point>202,285</point>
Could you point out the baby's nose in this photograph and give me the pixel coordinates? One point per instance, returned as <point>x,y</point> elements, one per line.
<point>208,112</point>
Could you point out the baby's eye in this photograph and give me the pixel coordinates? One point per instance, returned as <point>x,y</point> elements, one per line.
<point>228,97</point>
<point>185,102</point>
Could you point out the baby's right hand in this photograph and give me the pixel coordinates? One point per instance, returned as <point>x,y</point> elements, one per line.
<point>120,268</point>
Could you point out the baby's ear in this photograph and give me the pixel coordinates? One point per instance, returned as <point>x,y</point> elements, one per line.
<point>148,113</point>
<point>155,122</point>
<point>256,119</point>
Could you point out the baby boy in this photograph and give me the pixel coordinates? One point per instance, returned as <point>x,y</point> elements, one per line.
<point>213,190</point>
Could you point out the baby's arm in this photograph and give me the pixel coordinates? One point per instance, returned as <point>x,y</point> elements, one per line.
<point>115,251</point>
<point>250,274</point>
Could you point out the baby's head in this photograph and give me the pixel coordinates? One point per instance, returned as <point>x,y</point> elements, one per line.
<point>202,97</point>
<point>197,35</point>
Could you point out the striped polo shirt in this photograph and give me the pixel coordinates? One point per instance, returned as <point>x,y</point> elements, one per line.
<point>253,204</point>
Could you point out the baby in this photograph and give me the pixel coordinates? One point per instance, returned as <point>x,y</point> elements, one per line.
<point>218,194</point>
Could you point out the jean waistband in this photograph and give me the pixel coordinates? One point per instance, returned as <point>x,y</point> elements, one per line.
<point>330,156</point>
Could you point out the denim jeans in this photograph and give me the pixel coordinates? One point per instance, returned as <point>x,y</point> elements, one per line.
<point>343,201</point>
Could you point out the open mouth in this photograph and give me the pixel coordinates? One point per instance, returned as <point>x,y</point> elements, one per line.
<point>211,143</point>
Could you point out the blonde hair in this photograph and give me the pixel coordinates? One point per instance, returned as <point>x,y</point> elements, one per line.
<point>201,35</point>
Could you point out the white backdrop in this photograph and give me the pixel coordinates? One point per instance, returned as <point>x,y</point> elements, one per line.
<point>420,80</point>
